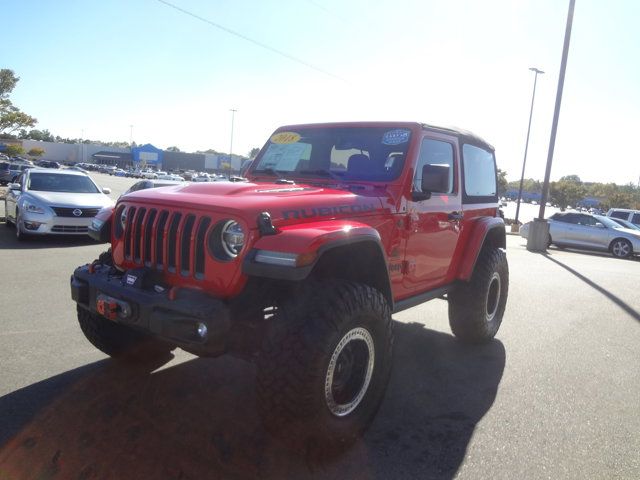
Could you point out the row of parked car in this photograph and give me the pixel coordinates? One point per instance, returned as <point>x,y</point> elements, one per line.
<point>617,232</point>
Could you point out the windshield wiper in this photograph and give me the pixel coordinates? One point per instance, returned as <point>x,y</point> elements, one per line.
<point>323,171</point>
<point>275,173</point>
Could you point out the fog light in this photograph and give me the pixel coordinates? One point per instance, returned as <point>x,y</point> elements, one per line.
<point>31,225</point>
<point>202,330</point>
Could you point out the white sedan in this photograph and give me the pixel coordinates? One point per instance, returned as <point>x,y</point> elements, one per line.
<point>53,202</point>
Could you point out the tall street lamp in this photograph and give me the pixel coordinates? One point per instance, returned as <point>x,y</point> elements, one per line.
<point>538,237</point>
<point>526,145</point>
<point>233,114</point>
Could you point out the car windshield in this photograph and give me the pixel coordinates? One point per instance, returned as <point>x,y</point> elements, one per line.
<point>351,153</point>
<point>55,182</point>
<point>607,222</point>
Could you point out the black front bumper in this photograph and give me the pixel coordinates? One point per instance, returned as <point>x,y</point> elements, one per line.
<point>176,316</point>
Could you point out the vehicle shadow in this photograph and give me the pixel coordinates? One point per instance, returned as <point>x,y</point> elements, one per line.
<point>197,419</point>
<point>8,240</point>
<point>615,299</point>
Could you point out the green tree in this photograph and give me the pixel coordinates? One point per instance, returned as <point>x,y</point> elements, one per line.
<point>253,153</point>
<point>173,149</point>
<point>503,185</point>
<point>40,135</point>
<point>567,192</point>
<point>36,152</point>
<point>13,150</point>
<point>11,117</point>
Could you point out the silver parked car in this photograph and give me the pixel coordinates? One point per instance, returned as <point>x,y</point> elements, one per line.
<point>45,201</point>
<point>591,232</point>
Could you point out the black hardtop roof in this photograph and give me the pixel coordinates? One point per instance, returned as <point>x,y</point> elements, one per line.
<point>464,135</point>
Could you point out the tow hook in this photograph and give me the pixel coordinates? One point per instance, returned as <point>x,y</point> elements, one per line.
<point>112,308</point>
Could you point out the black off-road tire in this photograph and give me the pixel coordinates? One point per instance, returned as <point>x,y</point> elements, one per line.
<point>296,400</point>
<point>476,307</point>
<point>119,340</point>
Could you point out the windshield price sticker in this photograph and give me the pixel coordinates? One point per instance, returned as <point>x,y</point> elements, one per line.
<point>395,137</point>
<point>285,138</point>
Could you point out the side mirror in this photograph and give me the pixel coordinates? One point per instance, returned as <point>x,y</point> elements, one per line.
<point>435,179</point>
<point>106,191</point>
<point>600,225</point>
<point>15,186</point>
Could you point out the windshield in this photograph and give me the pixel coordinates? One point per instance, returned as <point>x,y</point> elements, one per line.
<point>352,153</point>
<point>55,182</point>
<point>607,222</point>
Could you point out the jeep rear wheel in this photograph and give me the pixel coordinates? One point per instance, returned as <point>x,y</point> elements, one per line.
<point>325,364</point>
<point>119,340</point>
<point>476,307</point>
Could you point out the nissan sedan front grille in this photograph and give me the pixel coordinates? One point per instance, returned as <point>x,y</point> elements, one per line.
<point>77,212</point>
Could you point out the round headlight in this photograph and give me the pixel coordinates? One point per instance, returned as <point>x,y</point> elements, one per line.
<point>123,218</point>
<point>232,238</point>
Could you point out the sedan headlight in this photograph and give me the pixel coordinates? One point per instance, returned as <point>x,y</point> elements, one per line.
<point>32,207</point>
<point>232,238</point>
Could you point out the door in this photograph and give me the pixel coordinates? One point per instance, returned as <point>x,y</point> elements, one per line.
<point>433,224</point>
<point>12,198</point>
<point>585,232</point>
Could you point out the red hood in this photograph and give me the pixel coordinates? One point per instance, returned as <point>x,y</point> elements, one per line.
<point>285,203</point>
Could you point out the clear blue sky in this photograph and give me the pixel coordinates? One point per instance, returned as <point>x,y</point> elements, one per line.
<point>102,66</point>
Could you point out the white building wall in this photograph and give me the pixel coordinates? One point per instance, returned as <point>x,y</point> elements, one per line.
<point>69,152</point>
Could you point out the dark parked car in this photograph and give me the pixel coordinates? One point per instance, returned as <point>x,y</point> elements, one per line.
<point>9,172</point>
<point>151,183</point>
<point>48,164</point>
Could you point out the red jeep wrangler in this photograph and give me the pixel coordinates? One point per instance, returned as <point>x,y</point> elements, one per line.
<point>301,268</point>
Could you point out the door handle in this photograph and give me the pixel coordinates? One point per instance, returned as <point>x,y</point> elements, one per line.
<point>455,216</point>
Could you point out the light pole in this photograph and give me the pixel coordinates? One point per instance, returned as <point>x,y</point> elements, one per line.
<point>233,114</point>
<point>82,145</point>
<point>526,145</point>
<point>130,136</point>
<point>538,237</point>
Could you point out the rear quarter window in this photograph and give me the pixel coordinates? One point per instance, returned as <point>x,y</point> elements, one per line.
<point>636,218</point>
<point>479,171</point>
<point>622,215</point>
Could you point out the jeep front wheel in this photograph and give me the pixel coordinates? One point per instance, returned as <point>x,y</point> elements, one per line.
<point>325,363</point>
<point>476,307</point>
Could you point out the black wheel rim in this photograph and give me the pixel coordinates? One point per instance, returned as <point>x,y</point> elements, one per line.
<point>493,296</point>
<point>349,372</point>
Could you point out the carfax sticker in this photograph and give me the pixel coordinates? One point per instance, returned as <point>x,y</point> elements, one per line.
<point>285,138</point>
<point>395,137</point>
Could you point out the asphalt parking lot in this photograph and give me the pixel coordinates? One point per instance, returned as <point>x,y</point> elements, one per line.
<point>556,395</point>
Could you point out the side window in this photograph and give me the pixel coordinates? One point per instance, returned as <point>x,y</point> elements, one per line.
<point>587,221</point>
<point>571,218</point>
<point>434,152</point>
<point>479,168</point>
<point>636,218</point>
<point>622,215</point>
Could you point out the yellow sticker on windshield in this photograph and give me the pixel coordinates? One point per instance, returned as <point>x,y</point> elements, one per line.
<point>284,138</point>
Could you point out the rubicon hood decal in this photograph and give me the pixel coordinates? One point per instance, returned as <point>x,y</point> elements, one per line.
<point>327,211</point>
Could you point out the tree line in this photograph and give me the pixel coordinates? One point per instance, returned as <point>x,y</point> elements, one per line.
<point>570,190</point>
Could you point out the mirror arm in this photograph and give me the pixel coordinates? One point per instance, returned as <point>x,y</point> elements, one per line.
<point>419,196</point>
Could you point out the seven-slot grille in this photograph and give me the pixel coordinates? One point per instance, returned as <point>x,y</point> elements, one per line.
<point>166,240</point>
<point>68,211</point>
